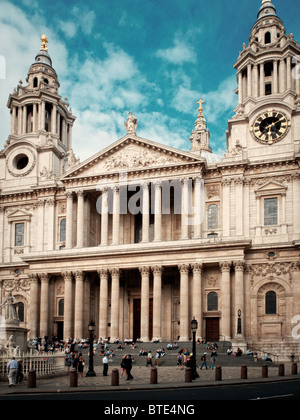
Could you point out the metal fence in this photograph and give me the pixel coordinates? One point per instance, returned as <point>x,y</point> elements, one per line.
<point>43,364</point>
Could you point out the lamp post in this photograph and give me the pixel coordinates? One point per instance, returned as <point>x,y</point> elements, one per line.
<point>194,327</point>
<point>91,371</point>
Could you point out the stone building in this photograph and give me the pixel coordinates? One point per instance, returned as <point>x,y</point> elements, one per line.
<point>142,237</point>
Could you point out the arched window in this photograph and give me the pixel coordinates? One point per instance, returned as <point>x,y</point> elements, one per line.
<point>62,230</point>
<point>61,307</point>
<point>212,301</point>
<point>267,38</point>
<point>271,303</point>
<point>212,217</point>
<point>35,82</point>
<point>21,311</point>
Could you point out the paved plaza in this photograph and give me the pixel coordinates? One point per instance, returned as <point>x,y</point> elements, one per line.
<point>167,377</point>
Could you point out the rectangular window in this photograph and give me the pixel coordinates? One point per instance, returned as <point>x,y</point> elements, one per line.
<point>271,211</point>
<point>19,234</point>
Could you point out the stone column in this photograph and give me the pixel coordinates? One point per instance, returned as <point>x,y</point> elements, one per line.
<point>239,294</point>
<point>249,80</point>
<point>255,81</point>
<point>24,129</point>
<point>115,297</point>
<point>13,120</point>
<point>240,84</point>
<point>103,303</point>
<point>104,217</point>
<point>157,217</point>
<point>51,215</point>
<point>69,221</point>
<point>79,299</point>
<point>43,115</point>
<point>116,216</point>
<point>68,307</point>
<point>275,76</point>
<point>34,306</point>
<point>197,297</point>
<point>146,220</point>
<point>282,76</point>
<point>20,120</point>
<point>289,73</point>
<point>34,119</point>
<point>198,208</point>
<point>226,207</point>
<point>185,209</point>
<point>157,286</point>
<point>226,300</point>
<point>80,218</point>
<point>184,303</point>
<point>145,274</point>
<point>262,80</point>
<point>53,119</point>
<point>44,314</point>
<point>239,197</point>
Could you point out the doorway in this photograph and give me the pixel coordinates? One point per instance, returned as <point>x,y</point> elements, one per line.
<point>212,329</point>
<point>60,330</point>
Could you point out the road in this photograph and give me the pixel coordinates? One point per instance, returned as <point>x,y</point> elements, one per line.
<point>283,390</point>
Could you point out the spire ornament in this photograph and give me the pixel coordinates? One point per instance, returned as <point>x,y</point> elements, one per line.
<point>200,103</point>
<point>44,43</point>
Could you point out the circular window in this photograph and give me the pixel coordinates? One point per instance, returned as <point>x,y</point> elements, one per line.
<point>21,161</point>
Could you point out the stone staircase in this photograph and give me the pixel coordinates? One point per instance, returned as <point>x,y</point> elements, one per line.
<point>170,358</point>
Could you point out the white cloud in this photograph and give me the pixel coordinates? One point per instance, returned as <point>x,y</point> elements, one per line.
<point>180,53</point>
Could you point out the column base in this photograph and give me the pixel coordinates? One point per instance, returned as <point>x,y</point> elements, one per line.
<point>184,339</point>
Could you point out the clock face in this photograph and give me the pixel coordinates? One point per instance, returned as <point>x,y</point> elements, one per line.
<point>270,127</point>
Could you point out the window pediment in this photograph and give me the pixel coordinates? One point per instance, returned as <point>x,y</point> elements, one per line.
<point>271,188</point>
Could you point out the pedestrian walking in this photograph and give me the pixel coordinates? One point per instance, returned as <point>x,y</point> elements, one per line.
<point>203,360</point>
<point>212,362</point>
<point>123,366</point>
<point>81,366</point>
<point>12,367</point>
<point>128,364</point>
<point>149,359</point>
<point>20,375</point>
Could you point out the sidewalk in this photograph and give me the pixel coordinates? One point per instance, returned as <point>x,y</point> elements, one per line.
<point>168,377</point>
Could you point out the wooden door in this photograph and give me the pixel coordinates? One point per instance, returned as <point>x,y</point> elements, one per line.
<point>212,329</point>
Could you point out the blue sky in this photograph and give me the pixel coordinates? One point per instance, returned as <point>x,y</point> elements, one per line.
<point>153,58</point>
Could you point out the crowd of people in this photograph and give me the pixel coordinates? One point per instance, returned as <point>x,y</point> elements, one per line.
<point>74,359</point>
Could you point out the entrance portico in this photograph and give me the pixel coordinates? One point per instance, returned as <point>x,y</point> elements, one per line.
<point>147,302</point>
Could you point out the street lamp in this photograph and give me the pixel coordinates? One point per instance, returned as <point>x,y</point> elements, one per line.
<point>91,371</point>
<point>194,327</point>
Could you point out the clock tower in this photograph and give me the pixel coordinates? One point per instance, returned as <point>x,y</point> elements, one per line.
<point>266,123</point>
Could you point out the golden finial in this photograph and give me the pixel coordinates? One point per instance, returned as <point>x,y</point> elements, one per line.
<point>44,43</point>
<point>200,103</point>
<point>264,1</point>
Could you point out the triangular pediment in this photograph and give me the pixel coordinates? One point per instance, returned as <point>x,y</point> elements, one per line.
<point>131,154</point>
<point>271,187</point>
<point>19,214</point>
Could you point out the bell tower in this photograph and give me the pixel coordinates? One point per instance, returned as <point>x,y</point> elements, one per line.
<point>268,89</point>
<point>40,139</point>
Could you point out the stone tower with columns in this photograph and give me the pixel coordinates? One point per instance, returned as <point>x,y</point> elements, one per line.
<point>40,141</point>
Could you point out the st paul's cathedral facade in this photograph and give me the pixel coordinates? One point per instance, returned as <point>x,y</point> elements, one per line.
<point>141,238</point>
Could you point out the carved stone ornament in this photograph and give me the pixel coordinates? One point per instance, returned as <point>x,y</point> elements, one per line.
<point>277,269</point>
<point>133,157</point>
